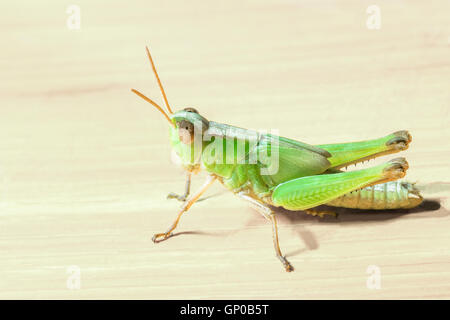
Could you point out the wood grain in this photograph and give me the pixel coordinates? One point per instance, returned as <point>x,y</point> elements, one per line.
<point>85,165</point>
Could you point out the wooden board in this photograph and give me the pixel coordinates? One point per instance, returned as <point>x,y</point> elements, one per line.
<point>85,165</point>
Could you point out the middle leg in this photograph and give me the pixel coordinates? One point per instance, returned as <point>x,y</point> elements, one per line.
<point>268,213</point>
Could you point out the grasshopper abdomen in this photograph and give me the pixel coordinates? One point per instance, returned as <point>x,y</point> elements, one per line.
<point>389,195</point>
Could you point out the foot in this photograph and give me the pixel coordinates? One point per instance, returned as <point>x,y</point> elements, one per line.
<point>321,213</point>
<point>181,198</point>
<point>287,266</point>
<point>161,237</point>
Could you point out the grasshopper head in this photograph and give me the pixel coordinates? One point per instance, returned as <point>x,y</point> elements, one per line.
<point>186,127</point>
<point>186,136</point>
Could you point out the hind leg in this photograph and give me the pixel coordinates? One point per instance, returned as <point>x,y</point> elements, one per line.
<point>320,213</point>
<point>308,192</point>
<point>344,154</point>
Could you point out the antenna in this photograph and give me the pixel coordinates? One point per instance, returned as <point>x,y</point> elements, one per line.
<point>154,104</point>
<point>159,81</point>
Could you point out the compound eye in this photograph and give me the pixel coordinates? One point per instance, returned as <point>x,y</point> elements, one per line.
<point>186,131</point>
<point>190,110</point>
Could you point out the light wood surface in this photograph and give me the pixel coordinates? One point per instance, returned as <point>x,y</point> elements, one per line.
<point>85,165</point>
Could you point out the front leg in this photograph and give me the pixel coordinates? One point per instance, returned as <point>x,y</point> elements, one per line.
<point>268,213</point>
<point>163,236</point>
<point>187,189</point>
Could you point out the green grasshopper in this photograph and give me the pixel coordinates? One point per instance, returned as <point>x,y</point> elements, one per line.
<point>306,176</point>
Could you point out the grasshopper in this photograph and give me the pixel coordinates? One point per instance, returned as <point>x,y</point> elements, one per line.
<point>307,176</point>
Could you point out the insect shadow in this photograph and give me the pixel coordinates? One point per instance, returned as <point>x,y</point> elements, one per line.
<point>344,216</point>
<point>205,233</point>
<point>351,216</point>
